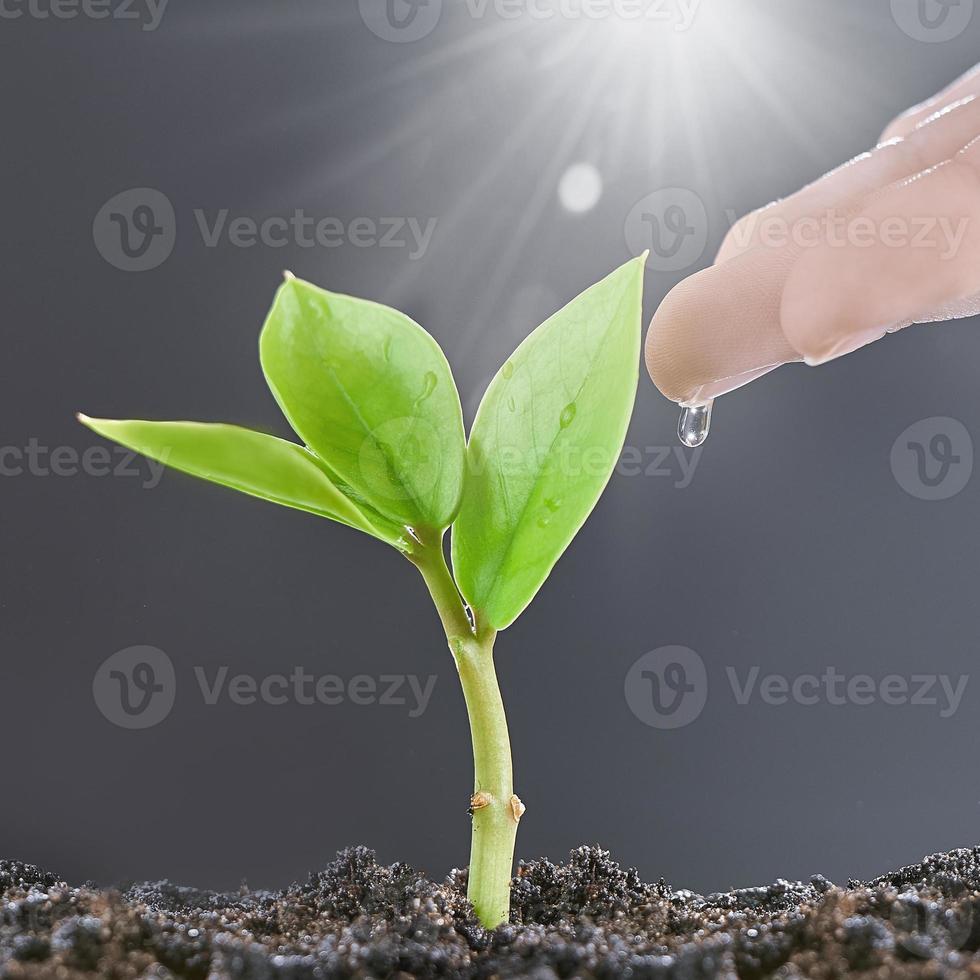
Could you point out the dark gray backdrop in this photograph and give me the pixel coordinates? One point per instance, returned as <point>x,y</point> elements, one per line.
<point>794,548</point>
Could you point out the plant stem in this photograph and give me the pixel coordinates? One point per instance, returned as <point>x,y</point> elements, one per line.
<point>497,813</point>
<point>496,810</point>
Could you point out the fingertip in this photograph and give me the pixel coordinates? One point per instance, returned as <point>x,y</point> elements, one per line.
<point>719,329</point>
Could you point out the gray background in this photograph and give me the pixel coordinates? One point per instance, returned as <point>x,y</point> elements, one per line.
<point>794,548</point>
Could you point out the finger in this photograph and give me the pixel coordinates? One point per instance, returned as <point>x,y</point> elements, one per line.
<point>720,329</point>
<point>908,256</point>
<point>936,140</point>
<point>968,84</point>
<point>912,253</point>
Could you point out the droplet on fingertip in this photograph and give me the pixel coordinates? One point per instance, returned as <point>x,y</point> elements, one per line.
<point>694,425</point>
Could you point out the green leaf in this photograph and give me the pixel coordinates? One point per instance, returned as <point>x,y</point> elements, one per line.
<point>252,462</point>
<point>545,442</point>
<point>370,392</point>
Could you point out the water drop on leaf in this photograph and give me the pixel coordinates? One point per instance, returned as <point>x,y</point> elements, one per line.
<point>429,383</point>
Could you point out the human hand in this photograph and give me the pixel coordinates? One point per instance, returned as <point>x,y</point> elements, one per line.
<point>889,239</point>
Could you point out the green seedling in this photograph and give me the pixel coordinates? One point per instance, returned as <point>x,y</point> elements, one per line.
<point>373,400</point>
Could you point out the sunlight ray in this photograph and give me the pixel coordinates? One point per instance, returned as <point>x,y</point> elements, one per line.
<point>543,193</point>
<point>496,166</point>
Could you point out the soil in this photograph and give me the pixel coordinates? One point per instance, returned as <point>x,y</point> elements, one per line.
<point>587,918</point>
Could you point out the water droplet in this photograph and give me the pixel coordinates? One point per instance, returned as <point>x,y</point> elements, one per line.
<point>694,425</point>
<point>429,383</point>
<point>567,414</point>
<point>552,504</point>
<point>544,521</point>
<point>511,404</point>
<point>386,349</point>
<point>508,371</point>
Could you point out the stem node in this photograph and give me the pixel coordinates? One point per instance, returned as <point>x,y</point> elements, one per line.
<point>478,801</point>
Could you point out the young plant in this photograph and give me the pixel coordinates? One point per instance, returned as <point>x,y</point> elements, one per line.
<point>372,398</point>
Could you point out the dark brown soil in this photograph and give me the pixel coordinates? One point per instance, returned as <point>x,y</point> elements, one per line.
<point>587,918</point>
